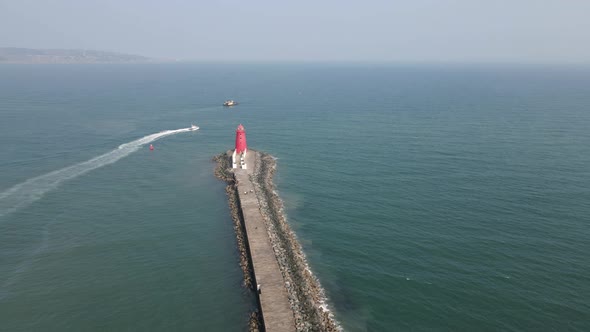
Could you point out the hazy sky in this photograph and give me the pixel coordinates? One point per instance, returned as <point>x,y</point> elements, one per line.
<point>320,30</point>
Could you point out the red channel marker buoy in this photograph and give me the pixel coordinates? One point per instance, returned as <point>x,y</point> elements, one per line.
<point>151,147</point>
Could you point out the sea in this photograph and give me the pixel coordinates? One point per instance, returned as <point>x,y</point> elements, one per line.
<point>427,197</point>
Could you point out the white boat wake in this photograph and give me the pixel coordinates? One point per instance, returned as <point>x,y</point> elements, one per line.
<point>33,189</point>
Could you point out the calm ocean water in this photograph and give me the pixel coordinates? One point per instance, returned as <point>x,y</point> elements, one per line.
<point>426,197</point>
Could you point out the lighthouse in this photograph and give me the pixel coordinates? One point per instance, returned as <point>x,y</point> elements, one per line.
<point>239,156</point>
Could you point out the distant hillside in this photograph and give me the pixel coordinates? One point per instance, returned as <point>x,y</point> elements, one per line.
<point>28,55</point>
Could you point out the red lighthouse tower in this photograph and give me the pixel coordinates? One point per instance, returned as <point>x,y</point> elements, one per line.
<point>239,156</point>
<point>241,145</point>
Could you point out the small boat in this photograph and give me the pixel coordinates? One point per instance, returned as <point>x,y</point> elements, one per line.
<point>151,147</point>
<point>193,127</point>
<point>230,103</point>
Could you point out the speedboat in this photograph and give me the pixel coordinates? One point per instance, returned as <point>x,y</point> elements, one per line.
<point>230,103</point>
<point>193,127</point>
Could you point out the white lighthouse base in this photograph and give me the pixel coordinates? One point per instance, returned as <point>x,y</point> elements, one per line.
<point>239,161</point>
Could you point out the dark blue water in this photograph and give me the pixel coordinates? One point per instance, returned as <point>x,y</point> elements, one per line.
<point>426,198</point>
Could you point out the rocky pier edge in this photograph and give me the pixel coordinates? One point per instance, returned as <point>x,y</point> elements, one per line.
<point>223,171</point>
<point>306,296</point>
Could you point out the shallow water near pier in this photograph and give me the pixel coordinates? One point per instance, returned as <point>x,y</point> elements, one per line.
<point>425,197</point>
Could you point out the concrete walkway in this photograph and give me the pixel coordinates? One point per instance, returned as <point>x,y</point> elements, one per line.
<point>276,310</point>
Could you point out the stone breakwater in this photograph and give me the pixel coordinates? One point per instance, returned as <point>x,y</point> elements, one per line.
<point>223,172</point>
<point>306,297</point>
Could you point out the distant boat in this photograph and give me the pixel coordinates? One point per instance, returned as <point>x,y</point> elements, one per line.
<point>230,103</point>
<point>193,127</point>
<point>151,147</point>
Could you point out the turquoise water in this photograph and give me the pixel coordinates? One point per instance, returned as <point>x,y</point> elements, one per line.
<point>426,198</point>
